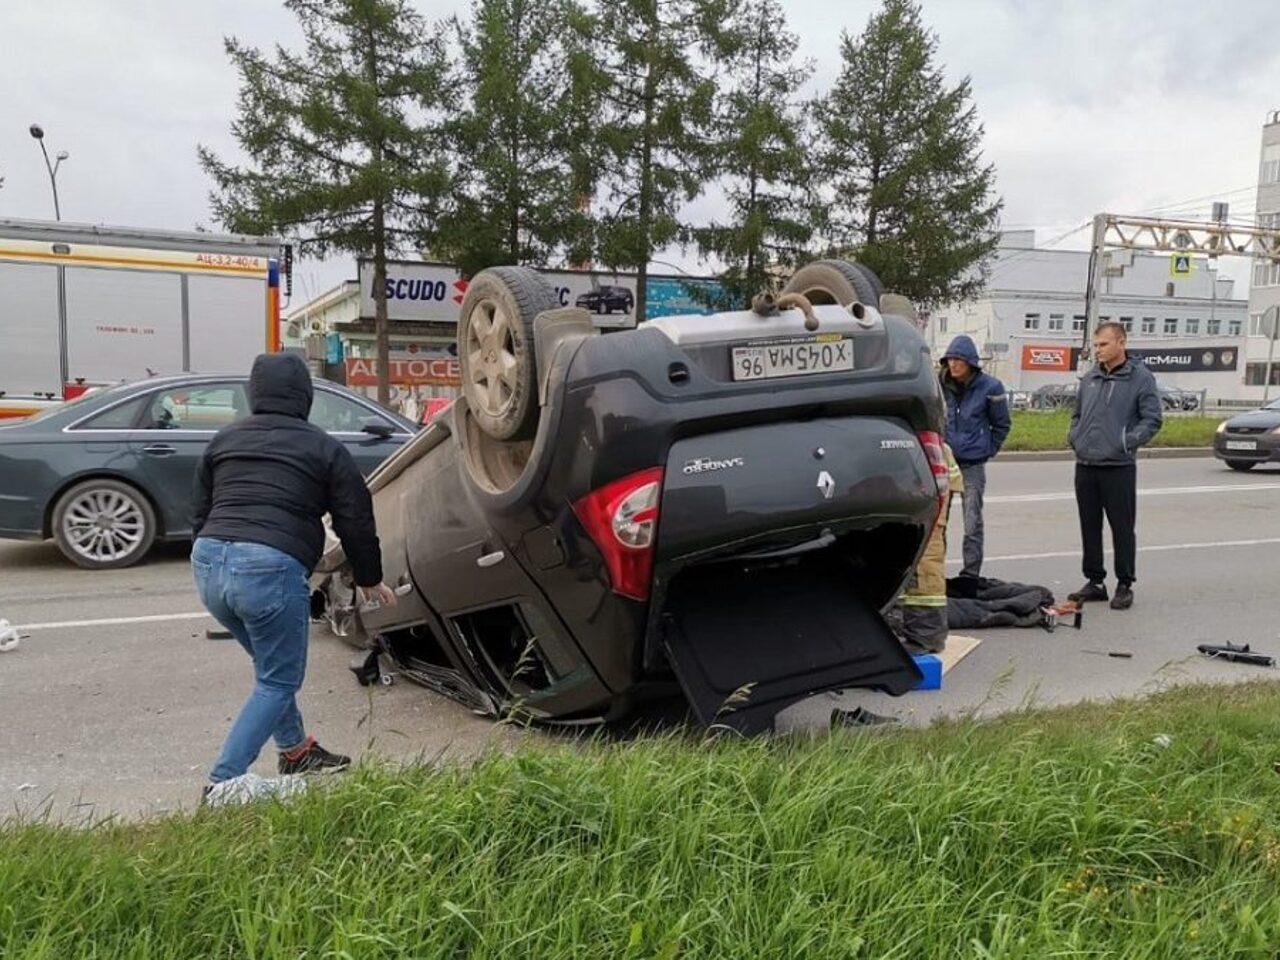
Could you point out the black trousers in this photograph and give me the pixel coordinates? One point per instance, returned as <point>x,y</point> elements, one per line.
<point>1113,491</point>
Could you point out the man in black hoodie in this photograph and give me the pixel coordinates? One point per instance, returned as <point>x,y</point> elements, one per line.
<point>261,490</point>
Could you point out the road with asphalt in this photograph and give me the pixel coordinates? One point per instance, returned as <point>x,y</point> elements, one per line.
<point>116,701</point>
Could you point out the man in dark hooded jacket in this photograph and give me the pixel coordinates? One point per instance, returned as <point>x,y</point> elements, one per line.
<point>262,489</point>
<point>977,425</point>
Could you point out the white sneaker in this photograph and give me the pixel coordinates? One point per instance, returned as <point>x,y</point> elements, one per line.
<point>249,787</point>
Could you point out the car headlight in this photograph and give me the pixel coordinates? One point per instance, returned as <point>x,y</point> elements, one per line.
<point>1221,427</point>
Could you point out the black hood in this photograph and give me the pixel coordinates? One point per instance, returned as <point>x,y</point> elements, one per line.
<point>280,383</point>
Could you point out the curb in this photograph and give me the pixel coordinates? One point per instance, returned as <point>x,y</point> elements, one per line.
<point>1152,453</point>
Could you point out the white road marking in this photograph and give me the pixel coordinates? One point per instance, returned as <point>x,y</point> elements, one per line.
<point>113,621</point>
<point>1148,492</point>
<point>1157,548</point>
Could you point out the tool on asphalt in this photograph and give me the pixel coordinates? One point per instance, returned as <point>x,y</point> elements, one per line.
<point>1118,654</point>
<point>217,634</point>
<point>1236,653</point>
<point>1056,614</point>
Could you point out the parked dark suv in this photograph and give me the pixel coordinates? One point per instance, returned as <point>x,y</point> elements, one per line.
<point>606,300</point>
<point>722,502</point>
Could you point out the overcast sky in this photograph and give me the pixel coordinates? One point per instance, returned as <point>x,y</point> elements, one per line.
<point>1127,106</point>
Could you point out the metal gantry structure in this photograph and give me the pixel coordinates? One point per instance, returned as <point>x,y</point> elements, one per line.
<point>1217,238</point>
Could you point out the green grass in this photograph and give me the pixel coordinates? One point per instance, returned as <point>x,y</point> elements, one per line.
<point>1047,430</point>
<point>1042,834</point>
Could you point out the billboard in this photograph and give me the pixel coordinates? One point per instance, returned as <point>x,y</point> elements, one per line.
<point>419,292</point>
<point>1049,358</point>
<point>435,369</point>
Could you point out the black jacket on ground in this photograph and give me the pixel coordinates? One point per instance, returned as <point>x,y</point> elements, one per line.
<point>270,477</point>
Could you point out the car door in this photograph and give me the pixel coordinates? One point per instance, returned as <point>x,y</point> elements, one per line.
<point>177,424</point>
<point>344,418</point>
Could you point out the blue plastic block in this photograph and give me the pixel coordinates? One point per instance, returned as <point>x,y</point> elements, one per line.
<point>930,665</point>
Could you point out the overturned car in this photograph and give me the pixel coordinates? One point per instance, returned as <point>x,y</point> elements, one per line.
<point>719,504</point>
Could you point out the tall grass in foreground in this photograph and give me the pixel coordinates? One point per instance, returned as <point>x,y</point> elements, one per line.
<point>1043,834</point>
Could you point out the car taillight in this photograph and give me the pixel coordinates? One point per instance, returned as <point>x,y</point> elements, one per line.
<point>937,457</point>
<point>622,520</point>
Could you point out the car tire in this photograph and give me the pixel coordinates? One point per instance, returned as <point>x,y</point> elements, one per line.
<point>1241,465</point>
<point>496,350</point>
<point>104,524</point>
<point>833,281</point>
<point>870,276</point>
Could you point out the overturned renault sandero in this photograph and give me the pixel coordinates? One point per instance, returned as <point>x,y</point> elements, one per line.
<point>721,504</point>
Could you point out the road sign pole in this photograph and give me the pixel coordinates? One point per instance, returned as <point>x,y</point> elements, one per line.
<point>1271,327</point>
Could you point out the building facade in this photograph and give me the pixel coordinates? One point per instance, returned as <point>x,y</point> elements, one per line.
<point>1029,321</point>
<point>1264,290</point>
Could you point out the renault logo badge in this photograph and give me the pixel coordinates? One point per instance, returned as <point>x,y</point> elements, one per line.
<point>827,485</point>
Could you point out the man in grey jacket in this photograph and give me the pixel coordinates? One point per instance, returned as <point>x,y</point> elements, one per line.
<point>1117,410</point>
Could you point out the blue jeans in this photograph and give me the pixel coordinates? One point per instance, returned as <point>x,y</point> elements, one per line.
<point>261,595</point>
<point>975,486</point>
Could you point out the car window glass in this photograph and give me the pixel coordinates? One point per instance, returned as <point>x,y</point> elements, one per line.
<point>337,414</point>
<point>120,417</point>
<point>206,406</point>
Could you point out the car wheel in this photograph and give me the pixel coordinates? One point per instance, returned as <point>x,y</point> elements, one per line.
<point>833,281</point>
<point>104,524</point>
<point>496,352</point>
<point>1241,465</point>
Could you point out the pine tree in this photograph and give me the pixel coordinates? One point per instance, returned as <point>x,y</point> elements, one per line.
<point>342,139</point>
<point>656,94</point>
<point>902,164</point>
<point>761,156</point>
<point>513,146</point>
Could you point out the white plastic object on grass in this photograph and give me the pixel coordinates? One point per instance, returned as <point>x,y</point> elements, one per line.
<point>250,787</point>
<point>8,637</point>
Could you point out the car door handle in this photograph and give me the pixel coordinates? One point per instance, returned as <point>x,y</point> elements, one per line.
<point>159,450</point>
<point>403,586</point>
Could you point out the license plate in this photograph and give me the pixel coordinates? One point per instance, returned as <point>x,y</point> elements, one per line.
<point>1242,444</point>
<point>795,358</point>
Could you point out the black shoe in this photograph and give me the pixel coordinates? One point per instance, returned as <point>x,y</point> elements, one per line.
<point>1090,591</point>
<point>1123,599</point>
<point>312,758</point>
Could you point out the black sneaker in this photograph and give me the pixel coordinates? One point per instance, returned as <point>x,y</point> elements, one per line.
<point>1090,591</point>
<point>312,758</point>
<point>1123,599</point>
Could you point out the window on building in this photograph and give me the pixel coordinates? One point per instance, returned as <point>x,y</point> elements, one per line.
<point>1213,327</point>
<point>1193,327</point>
<point>1055,321</point>
<point>1255,373</point>
<point>1031,322</point>
<point>942,324</point>
<point>1255,324</point>
<point>1170,326</point>
<point>1077,322</point>
<point>1233,328</point>
<point>1270,172</point>
<point>1266,274</point>
<point>1269,221</point>
<point>1127,323</point>
<point>1148,326</point>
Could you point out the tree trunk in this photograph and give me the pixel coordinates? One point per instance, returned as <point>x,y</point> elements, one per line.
<point>646,193</point>
<point>382,335</point>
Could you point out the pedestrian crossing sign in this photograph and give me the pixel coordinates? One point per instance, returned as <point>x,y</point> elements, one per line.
<point>1180,265</point>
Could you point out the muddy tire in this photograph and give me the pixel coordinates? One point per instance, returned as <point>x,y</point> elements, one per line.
<point>834,281</point>
<point>496,351</point>
<point>104,524</point>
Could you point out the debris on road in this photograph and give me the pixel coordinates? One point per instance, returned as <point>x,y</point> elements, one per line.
<point>212,634</point>
<point>1236,653</point>
<point>1118,654</point>
<point>9,638</point>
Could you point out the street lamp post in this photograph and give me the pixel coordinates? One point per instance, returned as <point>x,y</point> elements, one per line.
<point>37,132</point>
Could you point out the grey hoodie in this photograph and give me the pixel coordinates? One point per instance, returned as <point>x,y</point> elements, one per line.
<point>1115,413</point>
